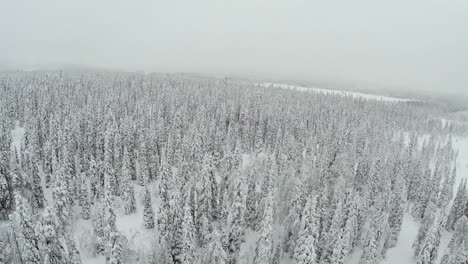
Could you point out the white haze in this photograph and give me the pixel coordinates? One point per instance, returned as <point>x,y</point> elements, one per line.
<point>419,44</point>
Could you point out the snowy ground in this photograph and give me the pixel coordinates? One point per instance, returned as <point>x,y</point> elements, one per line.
<point>17,136</point>
<point>336,92</point>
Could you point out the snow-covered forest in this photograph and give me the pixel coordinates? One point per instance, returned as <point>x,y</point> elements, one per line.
<point>102,167</point>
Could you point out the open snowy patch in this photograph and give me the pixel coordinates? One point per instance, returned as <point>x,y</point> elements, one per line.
<point>336,92</point>
<point>17,135</point>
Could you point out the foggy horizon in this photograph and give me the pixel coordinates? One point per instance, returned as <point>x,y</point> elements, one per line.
<point>416,45</point>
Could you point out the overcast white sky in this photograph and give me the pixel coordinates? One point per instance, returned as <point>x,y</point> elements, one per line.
<point>419,44</point>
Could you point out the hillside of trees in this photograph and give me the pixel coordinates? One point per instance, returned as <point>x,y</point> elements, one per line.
<point>316,176</point>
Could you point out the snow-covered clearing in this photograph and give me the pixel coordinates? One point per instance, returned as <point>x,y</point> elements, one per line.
<point>17,135</point>
<point>335,92</point>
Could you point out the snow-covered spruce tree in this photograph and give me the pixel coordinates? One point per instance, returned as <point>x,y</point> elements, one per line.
<point>143,176</point>
<point>422,194</point>
<point>73,253</point>
<point>377,234</point>
<point>251,208</point>
<point>127,185</point>
<point>446,193</point>
<point>108,141</point>
<point>110,180</point>
<point>203,231</point>
<point>214,252</point>
<point>115,249</point>
<point>99,227</point>
<point>306,246</point>
<point>458,206</point>
<point>6,254</point>
<point>334,232</point>
<point>94,180</point>
<point>236,224</point>
<point>458,247</point>
<point>427,222</point>
<point>163,254</point>
<point>117,147</point>
<point>47,163</point>
<point>30,253</point>
<point>68,170</point>
<point>6,196</point>
<point>61,198</point>
<point>112,244</point>
<point>371,251</point>
<point>278,255</point>
<point>37,190</point>
<point>293,220</point>
<point>183,251</point>
<point>148,214</point>
<point>165,187</point>
<point>50,238</point>
<point>204,195</point>
<point>264,248</point>
<point>397,204</point>
<point>325,212</point>
<point>342,247</point>
<point>428,250</point>
<point>85,204</point>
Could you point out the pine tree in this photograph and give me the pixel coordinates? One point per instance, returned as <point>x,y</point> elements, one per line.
<point>265,243</point>
<point>397,210</point>
<point>112,244</point>
<point>115,249</point>
<point>85,204</point>
<point>61,198</point>
<point>204,231</point>
<point>184,252</point>
<point>6,200</point>
<point>371,251</point>
<point>251,202</point>
<point>204,195</point>
<point>235,230</point>
<point>342,247</point>
<point>446,193</point>
<point>423,195</point>
<point>130,202</point>
<point>143,176</point>
<point>424,229</point>
<point>74,254</point>
<point>127,185</point>
<point>458,206</point>
<point>428,251</point>
<point>458,247</point>
<point>110,179</point>
<point>94,180</point>
<point>293,221</point>
<point>214,252</point>
<point>99,227</point>
<point>50,238</point>
<point>333,233</point>
<point>164,254</point>
<point>37,186</point>
<point>164,199</point>
<point>30,253</point>
<point>376,234</point>
<point>68,171</point>
<point>278,256</point>
<point>148,214</point>
<point>306,246</point>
